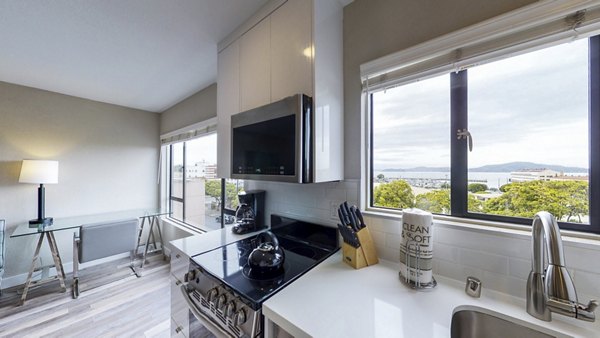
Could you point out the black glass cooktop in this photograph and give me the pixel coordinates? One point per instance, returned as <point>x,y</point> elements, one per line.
<point>304,244</point>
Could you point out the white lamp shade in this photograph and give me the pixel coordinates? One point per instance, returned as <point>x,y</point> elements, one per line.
<point>39,172</point>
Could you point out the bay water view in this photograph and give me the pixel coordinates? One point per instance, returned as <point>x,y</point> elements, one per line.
<point>491,179</point>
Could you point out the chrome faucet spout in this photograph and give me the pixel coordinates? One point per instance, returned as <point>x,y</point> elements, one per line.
<point>551,288</point>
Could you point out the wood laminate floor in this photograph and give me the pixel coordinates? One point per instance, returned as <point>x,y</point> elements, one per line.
<point>113,302</point>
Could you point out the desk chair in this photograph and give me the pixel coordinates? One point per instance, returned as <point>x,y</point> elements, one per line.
<point>100,240</point>
<point>2,250</point>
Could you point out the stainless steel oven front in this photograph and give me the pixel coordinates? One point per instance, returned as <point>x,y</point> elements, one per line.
<point>215,310</point>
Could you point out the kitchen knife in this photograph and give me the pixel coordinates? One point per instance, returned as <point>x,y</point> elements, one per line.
<point>341,216</point>
<point>349,236</point>
<point>345,215</point>
<point>351,218</point>
<point>343,233</point>
<point>360,216</point>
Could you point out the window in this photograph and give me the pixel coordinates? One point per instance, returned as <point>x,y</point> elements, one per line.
<point>531,119</point>
<point>411,147</point>
<point>195,193</point>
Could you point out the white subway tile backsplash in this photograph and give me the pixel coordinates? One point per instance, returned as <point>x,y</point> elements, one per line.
<point>446,252</point>
<point>335,194</point>
<point>378,238</point>
<point>384,225</point>
<point>484,261</point>
<point>519,268</point>
<point>388,254</point>
<point>454,270</point>
<point>582,259</point>
<point>392,241</point>
<point>500,282</point>
<point>500,245</point>
<point>502,262</point>
<point>587,283</point>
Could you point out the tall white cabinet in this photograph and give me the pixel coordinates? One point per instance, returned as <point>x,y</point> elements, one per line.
<point>228,103</point>
<point>255,66</point>
<point>291,50</point>
<point>288,47</point>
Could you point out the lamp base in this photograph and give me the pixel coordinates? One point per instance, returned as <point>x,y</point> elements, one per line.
<point>34,223</point>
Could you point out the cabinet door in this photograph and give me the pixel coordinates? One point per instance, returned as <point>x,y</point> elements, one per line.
<point>228,103</point>
<point>179,308</point>
<point>291,50</point>
<point>255,66</point>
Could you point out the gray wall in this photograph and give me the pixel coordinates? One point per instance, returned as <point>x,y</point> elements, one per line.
<point>196,108</point>
<point>108,160</point>
<point>375,28</point>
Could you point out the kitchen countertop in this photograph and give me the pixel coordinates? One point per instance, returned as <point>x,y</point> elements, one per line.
<point>197,244</point>
<point>334,300</point>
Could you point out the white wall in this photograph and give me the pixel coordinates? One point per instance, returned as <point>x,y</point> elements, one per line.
<point>108,160</point>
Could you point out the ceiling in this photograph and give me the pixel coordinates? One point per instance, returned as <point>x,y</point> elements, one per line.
<point>145,54</point>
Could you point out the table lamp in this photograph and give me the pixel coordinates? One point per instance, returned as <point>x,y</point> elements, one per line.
<point>40,172</point>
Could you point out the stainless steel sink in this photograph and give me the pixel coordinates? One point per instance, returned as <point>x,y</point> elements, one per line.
<point>474,323</point>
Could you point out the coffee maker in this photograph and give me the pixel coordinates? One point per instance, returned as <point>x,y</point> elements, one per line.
<point>250,214</point>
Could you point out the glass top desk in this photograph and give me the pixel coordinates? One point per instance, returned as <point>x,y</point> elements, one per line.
<point>73,223</point>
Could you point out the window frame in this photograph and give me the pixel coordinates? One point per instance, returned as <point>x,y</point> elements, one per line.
<point>171,198</point>
<point>459,151</point>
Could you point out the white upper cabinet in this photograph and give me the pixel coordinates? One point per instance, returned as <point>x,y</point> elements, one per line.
<point>291,50</point>
<point>288,47</point>
<point>228,103</point>
<point>255,66</point>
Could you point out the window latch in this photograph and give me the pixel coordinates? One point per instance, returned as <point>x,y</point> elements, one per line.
<point>465,134</point>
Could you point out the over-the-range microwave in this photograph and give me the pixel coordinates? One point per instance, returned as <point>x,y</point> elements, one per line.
<point>274,142</point>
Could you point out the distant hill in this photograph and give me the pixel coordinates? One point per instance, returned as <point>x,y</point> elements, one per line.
<point>498,168</point>
<point>420,169</point>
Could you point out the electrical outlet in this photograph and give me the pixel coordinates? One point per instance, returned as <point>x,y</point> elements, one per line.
<point>333,209</point>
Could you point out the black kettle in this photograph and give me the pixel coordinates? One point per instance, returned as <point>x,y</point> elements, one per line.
<point>268,256</point>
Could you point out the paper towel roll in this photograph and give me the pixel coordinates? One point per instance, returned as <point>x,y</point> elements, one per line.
<point>417,239</point>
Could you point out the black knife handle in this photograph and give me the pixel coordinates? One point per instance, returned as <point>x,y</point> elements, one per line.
<point>360,217</point>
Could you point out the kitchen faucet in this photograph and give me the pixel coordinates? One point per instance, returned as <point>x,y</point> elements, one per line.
<point>552,289</point>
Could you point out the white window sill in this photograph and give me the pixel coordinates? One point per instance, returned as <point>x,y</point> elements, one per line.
<point>574,238</point>
<point>182,226</point>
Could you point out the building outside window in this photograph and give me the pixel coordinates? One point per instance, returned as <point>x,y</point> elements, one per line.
<point>196,197</point>
<point>528,117</point>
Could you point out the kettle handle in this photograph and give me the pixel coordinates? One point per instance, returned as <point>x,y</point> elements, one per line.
<point>268,236</point>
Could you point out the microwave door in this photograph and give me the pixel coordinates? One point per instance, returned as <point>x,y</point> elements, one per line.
<point>268,142</point>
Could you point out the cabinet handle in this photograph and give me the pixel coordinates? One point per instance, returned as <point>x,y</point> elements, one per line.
<point>178,329</point>
<point>178,256</point>
<point>177,283</point>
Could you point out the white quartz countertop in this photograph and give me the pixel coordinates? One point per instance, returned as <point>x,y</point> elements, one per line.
<point>197,244</point>
<point>334,300</point>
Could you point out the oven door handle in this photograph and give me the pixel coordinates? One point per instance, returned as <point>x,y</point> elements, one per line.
<point>206,321</point>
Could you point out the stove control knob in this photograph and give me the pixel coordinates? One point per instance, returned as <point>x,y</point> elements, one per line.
<point>240,317</point>
<point>212,294</point>
<point>221,302</point>
<point>230,310</point>
<point>190,276</point>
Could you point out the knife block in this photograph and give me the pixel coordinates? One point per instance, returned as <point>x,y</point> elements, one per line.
<point>362,256</point>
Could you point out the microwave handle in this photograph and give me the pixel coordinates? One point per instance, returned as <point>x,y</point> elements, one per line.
<point>207,322</point>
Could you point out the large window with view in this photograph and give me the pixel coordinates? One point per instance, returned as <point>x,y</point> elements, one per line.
<point>529,119</point>
<point>195,196</point>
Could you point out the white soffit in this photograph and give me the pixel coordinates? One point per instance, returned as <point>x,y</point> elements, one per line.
<point>144,54</point>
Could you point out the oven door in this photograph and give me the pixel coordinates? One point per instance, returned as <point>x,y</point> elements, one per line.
<point>199,324</point>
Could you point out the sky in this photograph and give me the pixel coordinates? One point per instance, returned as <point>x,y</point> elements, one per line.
<point>197,150</point>
<point>532,107</point>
